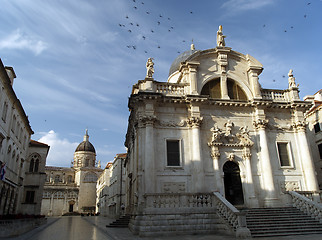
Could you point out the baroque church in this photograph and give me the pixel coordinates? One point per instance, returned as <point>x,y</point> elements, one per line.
<point>72,190</point>
<point>209,137</point>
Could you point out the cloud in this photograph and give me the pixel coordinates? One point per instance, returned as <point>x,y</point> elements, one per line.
<point>61,151</point>
<point>235,6</point>
<point>19,40</point>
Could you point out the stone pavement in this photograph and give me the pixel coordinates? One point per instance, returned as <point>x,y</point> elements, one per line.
<point>100,222</point>
<point>125,233</point>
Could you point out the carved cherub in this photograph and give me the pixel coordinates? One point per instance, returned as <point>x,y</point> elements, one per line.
<point>216,133</point>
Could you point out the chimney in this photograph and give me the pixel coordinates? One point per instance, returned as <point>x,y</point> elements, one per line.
<point>11,74</point>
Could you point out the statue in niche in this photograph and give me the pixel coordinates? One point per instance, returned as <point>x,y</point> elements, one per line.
<point>291,80</point>
<point>149,68</point>
<point>220,37</point>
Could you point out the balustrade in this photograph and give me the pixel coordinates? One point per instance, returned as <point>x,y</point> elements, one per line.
<point>307,206</point>
<point>178,200</point>
<point>278,95</point>
<point>170,88</point>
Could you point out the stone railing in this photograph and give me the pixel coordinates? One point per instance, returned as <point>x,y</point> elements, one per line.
<point>179,200</point>
<point>170,88</point>
<point>275,95</point>
<point>307,206</point>
<point>235,218</point>
<point>313,196</point>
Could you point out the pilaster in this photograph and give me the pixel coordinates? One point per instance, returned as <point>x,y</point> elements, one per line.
<point>194,122</point>
<point>267,171</point>
<point>192,66</point>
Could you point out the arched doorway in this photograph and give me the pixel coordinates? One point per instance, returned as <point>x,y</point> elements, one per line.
<point>233,186</point>
<point>71,206</point>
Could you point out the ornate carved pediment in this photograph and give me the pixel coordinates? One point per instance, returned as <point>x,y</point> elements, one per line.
<point>226,137</point>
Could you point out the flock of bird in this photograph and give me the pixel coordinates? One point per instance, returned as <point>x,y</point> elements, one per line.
<point>132,27</point>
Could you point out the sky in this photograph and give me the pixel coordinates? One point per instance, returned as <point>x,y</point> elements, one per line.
<point>77,60</point>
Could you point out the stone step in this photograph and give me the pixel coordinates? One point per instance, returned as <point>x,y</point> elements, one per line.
<point>122,222</point>
<point>256,224</point>
<point>280,222</point>
<point>282,231</point>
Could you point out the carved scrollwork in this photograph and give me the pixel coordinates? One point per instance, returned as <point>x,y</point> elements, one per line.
<point>260,124</point>
<point>300,126</point>
<point>194,121</point>
<point>147,119</point>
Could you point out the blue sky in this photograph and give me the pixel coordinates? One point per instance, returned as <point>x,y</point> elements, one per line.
<point>76,65</point>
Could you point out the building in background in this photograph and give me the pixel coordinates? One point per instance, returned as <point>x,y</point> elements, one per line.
<point>35,176</point>
<point>72,190</point>
<point>111,188</point>
<point>314,119</point>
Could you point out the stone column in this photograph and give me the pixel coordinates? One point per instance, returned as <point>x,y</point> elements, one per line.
<point>223,63</point>
<point>215,154</point>
<point>51,203</point>
<point>193,77</point>
<point>197,167</point>
<point>149,165</point>
<point>267,172</point>
<point>253,202</point>
<point>306,157</point>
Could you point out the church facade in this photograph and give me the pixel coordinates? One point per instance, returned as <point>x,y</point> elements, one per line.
<point>72,190</point>
<point>211,128</point>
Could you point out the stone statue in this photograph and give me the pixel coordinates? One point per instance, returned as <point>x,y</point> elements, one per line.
<point>149,68</point>
<point>216,134</point>
<point>291,80</point>
<point>220,37</point>
<point>229,125</point>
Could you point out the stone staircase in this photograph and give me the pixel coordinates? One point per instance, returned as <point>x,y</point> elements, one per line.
<point>270,222</point>
<point>122,222</point>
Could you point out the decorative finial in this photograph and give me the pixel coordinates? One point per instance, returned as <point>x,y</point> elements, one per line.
<point>99,164</point>
<point>86,137</point>
<point>220,37</point>
<point>149,68</point>
<point>192,45</point>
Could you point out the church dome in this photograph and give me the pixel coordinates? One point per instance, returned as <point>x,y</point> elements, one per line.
<point>181,58</point>
<point>85,145</point>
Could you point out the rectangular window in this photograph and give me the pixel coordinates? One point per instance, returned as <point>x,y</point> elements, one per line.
<point>30,197</point>
<point>173,153</point>
<point>320,150</point>
<point>283,153</point>
<point>317,127</point>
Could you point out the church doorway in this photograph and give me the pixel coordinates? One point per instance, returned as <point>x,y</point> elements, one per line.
<point>71,207</point>
<point>233,186</point>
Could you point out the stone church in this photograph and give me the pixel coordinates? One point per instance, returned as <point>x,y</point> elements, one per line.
<point>210,134</point>
<point>72,190</point>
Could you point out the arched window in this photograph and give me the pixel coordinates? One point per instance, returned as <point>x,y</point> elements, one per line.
<point>34,163</point>
<point>212,89</point>
<point>87,163</point>
<point>57,179</point>
<point>235,91</point>
<point>90,177</point>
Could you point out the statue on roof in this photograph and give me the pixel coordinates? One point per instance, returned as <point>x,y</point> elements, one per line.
<point>220,37</point>
<point>149,68</point>
<point>291,80</point>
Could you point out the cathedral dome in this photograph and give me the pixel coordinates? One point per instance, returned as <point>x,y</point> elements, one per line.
<point>181,58</point>
<point>85,145</point>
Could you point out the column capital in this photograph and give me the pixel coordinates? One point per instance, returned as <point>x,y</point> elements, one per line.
<point>260,124</point>
<point>194,121</point>
<point>299,126</point>
<point>147,120</point>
